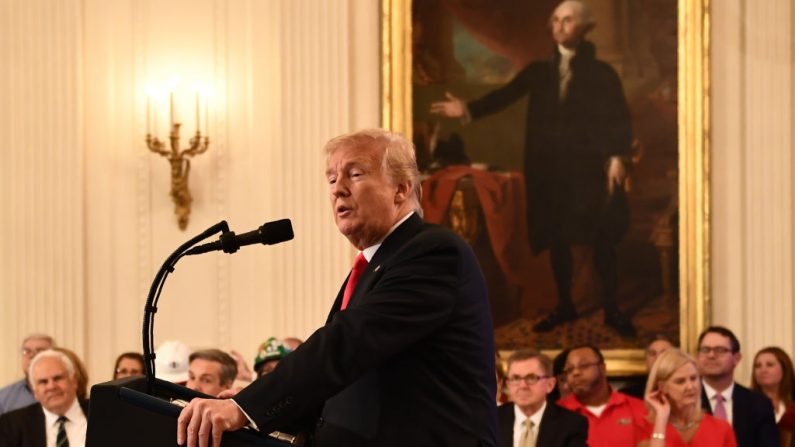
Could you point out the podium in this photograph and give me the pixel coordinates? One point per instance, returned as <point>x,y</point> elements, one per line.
<point>122,414</point>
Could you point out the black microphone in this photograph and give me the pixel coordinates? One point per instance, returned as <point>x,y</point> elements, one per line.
<point>268,234</point>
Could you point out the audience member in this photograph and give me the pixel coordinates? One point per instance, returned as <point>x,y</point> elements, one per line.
<point>673,394</point>
<point>530,420</point>
<point>171,361</point>
<point>656,346</point>
<point>561,389</point>
<point>268,356</point>
<point>81,372</point>
<point>59,416</point>
<point>128,364</point>
<point>611,415</point>
<point>18,394</point>
<point>499,370</point>
<point>293,343</point>
<point>773,376</point>
<point>211,371</point>
<point>749,412</point>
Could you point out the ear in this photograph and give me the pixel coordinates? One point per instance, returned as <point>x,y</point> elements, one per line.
<point>402,192</point>
<point>551,384</point>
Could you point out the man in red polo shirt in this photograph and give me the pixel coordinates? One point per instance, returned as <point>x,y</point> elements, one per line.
<point>611,415</point>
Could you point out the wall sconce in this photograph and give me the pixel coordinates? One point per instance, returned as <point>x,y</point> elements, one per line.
<point>178,159</point>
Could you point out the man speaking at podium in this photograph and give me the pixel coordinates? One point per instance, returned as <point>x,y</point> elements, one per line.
<point>406,357</point>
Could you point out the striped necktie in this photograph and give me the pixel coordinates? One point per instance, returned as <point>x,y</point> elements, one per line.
<point>61,440</point>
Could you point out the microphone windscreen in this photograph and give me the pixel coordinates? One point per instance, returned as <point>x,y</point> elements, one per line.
<point>276,232</point>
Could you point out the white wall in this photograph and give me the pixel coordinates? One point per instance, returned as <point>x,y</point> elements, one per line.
<point>753,105</point>
<point>86,218</point>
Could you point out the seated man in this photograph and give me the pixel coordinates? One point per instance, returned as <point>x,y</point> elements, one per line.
<point>211,371</point>
<point>58,418</point>
<point>18,394</point>
<point>611,415</point>
<point>269,354</point>
<point>656,346</point>
<point>749,412</point>
<point>530,420</point>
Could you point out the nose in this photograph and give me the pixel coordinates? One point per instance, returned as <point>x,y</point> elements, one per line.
<point>339,188</point>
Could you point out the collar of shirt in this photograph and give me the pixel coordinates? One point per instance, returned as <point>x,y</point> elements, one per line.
<point>616,398</point>
<point>74,414</point>
<point>565,55</point>
<point>75,428</point>
<point>369,252</point>
<point>519,418</point>
<point>711,392</point>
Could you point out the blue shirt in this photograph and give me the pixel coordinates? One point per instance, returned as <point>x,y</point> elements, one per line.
<point>16,395</point>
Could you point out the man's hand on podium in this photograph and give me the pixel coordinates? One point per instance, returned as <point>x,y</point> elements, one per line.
<point>206,418</point>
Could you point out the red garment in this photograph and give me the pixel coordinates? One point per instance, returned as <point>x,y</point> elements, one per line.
<point>617,426</point>
<point>711,432</point>
<point>787,421</point>
<point>502,198</point>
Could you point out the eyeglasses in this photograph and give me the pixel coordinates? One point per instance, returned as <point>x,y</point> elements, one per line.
<point>27,352</point>
<point>718,350</point>
<point>581,367</point>
<point>132,372</point>
<point>530,379</point>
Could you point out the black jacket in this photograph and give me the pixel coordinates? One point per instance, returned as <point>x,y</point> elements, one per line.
<point>559,427</point>
<point>410,362</point>
<point>24,427</point>
<point>567,146</point>
<point>753,419</point>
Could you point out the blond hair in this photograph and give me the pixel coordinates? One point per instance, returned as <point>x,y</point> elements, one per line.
<point>664,367</point>
<point>398,161</point>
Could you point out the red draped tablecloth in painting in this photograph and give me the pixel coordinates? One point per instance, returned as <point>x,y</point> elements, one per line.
<point>501,196</point>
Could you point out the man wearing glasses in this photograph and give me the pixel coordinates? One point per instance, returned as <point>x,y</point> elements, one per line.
<point>530,420</point>
<point>750,413</point>
<point>18,394</point>
<point>611,415</point>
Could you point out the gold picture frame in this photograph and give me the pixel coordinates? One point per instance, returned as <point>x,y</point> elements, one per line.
<point>693,116</point>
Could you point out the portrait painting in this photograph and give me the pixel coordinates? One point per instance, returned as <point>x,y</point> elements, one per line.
<point>555,140</point>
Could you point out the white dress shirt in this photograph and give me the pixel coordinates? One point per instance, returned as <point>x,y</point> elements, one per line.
<point>727,399</point>
<point>518,423</point>
<point>75,427</point>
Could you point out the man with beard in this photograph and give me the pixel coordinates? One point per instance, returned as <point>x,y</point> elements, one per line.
<point>611,415</point>
<point>750,413</point>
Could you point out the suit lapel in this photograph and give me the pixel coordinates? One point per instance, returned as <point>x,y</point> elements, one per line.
<point>39,430</point>
<point>388,248</point>
<point>547,428</point>
<point>506,419</point>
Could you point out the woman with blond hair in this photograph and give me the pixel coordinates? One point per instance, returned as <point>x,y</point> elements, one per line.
<point>774,377</point>
<point>673,396</point>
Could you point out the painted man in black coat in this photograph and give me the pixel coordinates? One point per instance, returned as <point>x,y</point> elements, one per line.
<point>406,359</point>
<point>578,137</point>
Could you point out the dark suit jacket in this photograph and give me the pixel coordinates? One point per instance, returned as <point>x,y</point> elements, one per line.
<point>753,419</point>
<point>567,144</point>
<point>410,362</point>
<point>559,427</point>
<point>24,427</point>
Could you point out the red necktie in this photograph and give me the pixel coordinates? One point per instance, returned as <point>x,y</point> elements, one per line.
<point>356,273</point>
